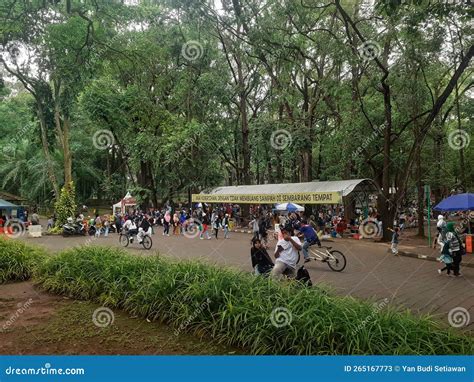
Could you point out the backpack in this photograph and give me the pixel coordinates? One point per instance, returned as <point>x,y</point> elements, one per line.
<point>462,250</point>
<point>302,275</point>
<point>445,249</point>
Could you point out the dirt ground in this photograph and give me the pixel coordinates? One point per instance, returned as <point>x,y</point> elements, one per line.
<point>34,322</point>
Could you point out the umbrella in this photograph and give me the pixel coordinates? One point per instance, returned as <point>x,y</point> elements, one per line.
<point>459,202</point>
<point>290,207</point>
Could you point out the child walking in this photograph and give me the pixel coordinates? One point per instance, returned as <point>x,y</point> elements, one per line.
<point>447,260</point>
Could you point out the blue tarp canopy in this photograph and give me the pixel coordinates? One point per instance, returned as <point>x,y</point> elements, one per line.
<point>290,207</point>
<point>459,202</point>
<point>4,205</point>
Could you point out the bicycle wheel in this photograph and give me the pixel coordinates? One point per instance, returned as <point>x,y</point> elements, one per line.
<point>147,242</point>
<point>338,262</point>
<point>123,240</point>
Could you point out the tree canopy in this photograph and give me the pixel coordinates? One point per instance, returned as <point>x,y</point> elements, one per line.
<point>171,97</point>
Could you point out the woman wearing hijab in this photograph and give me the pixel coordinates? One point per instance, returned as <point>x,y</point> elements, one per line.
<point>261,260</point>
<point>455,247</point>
<point>166,223</point>
<point>176,224</point>
<point>441,235</point>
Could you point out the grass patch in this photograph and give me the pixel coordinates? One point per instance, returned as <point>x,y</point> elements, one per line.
<point>18,260</point>
<point>235,308</point>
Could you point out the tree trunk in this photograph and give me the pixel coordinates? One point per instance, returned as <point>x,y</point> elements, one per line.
<point>46,152</point>
<point>462,172</point>
<point>420,196</point>
<point>245,131</point>
<point>387,210</point>
<point>306,157</point>
<point>67,151</point>
<point>190,199</point>
<point>62,132</point>
<point>438,160</point>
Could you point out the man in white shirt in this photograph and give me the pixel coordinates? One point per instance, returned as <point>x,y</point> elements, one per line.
<point>129,225</point>
<point>286,255</point>
<point>130,228</point>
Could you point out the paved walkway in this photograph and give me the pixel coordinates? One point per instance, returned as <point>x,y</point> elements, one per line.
<point>410,246</point>
<point>371,273</point>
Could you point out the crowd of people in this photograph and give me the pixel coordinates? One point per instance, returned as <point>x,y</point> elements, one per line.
<point>209,222</point>
<point>294,232</point>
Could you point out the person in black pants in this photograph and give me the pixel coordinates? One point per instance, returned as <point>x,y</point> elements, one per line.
<point>457,257</point>
<point>261,261</point>
<point>216,225</point>
<point>455,247</point>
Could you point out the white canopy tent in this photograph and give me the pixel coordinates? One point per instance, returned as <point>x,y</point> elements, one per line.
<point>122,206</point>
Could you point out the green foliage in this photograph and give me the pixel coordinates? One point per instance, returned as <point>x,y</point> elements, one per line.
<point>65,207</point>
<point>56,230</point>
<point>178,122</point>
<point>235,308</point>
<point>18,261</point>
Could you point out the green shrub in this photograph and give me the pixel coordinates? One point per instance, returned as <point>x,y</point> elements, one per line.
<point>56,230</point>
<point>65,206</point>
<point>17,260</point>
<point>235,308</point>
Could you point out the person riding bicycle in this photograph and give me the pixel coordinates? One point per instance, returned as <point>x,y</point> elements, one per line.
<point>144,229</point>
<point>286,255</point>
<point>130,228</point>
<point>310,238</point>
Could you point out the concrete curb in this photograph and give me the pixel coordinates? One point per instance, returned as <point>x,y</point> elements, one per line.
<point>430,258</point>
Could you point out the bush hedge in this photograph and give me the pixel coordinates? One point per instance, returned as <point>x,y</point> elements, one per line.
<point>238,309</point>
<point>18,260</point>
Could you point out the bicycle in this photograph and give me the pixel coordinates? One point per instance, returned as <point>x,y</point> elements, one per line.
<point>125,238</point>
<point>334,259</point>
